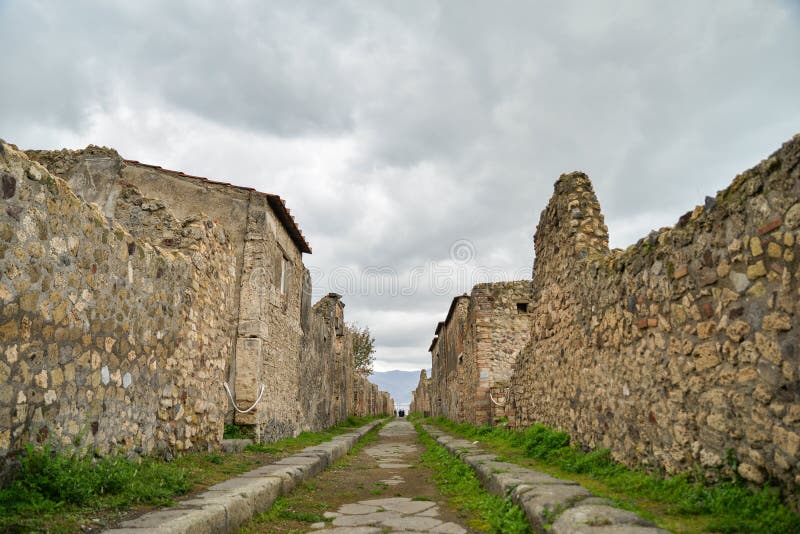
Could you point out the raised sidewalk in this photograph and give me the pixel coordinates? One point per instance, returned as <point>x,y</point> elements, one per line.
<point>226,506</point>
<point>551,504</point>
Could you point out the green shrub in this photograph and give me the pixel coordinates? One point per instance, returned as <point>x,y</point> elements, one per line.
<point>458,481</point>
<point>542,442</point>
<point>48,480</point>
<point>238,432</point>
<point>729,505</point>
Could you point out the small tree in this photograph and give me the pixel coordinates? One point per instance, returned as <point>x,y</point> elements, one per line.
<point>363,349</point>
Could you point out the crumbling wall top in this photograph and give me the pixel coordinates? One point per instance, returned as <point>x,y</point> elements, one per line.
<point>571,226</point>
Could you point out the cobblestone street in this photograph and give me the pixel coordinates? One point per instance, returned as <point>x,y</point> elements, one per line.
<point>382,489</point>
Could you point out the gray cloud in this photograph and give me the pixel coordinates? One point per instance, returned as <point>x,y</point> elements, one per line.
<point>395,129</point>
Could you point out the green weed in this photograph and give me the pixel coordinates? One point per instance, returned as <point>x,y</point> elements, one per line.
<point>307,439</point>
<point>238,432</point>
<point>215,459</point>
<point>725,506</point>
<point>457,480</point>
<point>57,492</point>
<point>49,482</point>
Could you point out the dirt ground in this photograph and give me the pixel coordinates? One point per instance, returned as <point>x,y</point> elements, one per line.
<point>382,488</point>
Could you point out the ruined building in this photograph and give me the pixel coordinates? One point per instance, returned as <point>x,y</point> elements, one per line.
<point>682,350</point>
<point>421,397</point>
<point>680,353</point>
<point>131,294</point>
<point>474,351</point>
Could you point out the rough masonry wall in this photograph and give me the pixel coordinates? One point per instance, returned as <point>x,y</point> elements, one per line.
<point>682,349</point>
<point>421,396</point>
<point>438,409</point>
<point>385,404</point>
<point>105,339</point>
<point>499,327</point>
<point>326,361</point>
<point>266,333</point>
<point>100,175</point>
<point>368,400</point>
<point>364,393</point>
<point>473,357</point>
<point>448,382</point>
<point>301,355</point>
<point>269,336</point>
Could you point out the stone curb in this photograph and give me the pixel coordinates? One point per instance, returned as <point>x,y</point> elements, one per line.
<point>235,445</point>
<point>226,506</point>
<point>565,506</point>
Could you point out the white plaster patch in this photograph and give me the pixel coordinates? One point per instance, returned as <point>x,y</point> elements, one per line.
<point>58,245</point>
<point>41,379</point>
<point>28,228</point>
<point>11,353</point>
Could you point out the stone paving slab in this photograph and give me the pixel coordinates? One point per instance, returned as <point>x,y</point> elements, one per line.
<point>224,507</point>
<point>289,475</point>
<point>591,518</point>
<point>393,451</point>
<point>310,465</point>
<point>396,514</point>
<point>542,496</point>
<point>356,530</point>
<point>235,445</point>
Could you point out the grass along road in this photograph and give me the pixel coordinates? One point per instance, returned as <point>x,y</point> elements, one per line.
<point>57,492</point>
<point>382,486</point>
<point>679,504</point>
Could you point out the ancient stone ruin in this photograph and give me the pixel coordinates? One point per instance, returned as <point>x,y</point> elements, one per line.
<point>132,294</point>
<point>680,353</point>
<point>421,397</point>
<point>474,351</point>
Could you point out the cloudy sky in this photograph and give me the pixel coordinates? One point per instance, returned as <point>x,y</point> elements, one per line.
<point>416,142</point>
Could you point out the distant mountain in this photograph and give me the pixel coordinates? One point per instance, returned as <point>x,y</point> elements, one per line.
<point>399,384</point>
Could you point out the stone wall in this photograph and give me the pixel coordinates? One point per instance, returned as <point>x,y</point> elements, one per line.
<point>125,310</point>
<point>276,331</point>
<point>270,333</point>
<point>268,292</point>
<point>368,400</point>
<point>385,404</point>
<point>499,327</point>
<point>421,396</point>
<point>105,339</point>
<point>445,350</point>
<point>476,347</point>
<point>682,350</point>
<point>328,365</point>
<point>364,394</point>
